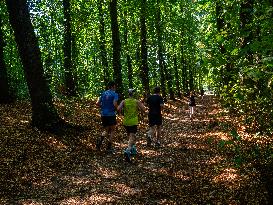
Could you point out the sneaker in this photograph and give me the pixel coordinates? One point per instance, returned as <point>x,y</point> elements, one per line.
<point>149,140</point>
<point>134,150</point>
<point>99,142</point>
<point>157,144</point>
<point>127,155</point>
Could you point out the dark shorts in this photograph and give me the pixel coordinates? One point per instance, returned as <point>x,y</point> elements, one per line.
<point>108,120</point>
<point>131,129</point>
<point>155,120</point>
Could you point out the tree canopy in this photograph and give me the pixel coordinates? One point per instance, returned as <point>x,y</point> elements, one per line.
<point>223,46</point>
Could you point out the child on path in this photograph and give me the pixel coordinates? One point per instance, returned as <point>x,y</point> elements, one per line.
<point>155,104</point>
<point>108,103</point>
<point>192,104</point>
<point>130,107</point>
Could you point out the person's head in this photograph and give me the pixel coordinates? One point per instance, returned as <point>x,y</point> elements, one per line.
<point>157,90</point>
<point>112,85</point>
<point>131,92</point>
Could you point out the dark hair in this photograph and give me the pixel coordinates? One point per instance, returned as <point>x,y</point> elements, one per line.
<point>157,89</point>
<point>111,84</point>
<point>131,91</point>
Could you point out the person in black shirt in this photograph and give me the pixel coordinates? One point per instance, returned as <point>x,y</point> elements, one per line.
<point>155,103</point>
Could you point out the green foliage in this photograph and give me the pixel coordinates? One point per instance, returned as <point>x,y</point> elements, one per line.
<point>234,59</point>
<point>11,57</point>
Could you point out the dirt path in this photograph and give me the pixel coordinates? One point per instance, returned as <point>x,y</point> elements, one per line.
<point>189,168</point>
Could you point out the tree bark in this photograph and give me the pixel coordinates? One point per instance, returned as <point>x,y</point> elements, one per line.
<point>128,58</point>
<point>177,79</point>
<point>116,47</point>
<point>160,50</point>
<point>144,53</point>
<point>5,95</point>
<point>68,68</point>
<point>102,42</point>
<point>44,113</point>
<point>183,61</point>
<point>169,78</point>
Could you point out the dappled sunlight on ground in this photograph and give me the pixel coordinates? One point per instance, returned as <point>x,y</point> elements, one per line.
<point>218,135</point>
<point>56,143</point>
<point>190,167</point>
<point>96,198</point>
<point>229,177</point>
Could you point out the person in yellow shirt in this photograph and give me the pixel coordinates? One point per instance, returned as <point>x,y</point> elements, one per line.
<point>131,107</point>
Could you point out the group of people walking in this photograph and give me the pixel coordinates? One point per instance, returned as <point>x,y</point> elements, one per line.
<point>130,107</point>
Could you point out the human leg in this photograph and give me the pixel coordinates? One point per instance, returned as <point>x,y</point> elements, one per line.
<point>158,135</point>
<point>191,112</point>
<point>131,132</point>
<point>131,149</point>
<point>110,134</point>
<point>108,123</point>
<point>150,135</point>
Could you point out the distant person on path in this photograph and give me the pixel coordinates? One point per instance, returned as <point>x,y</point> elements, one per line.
<point>108,104</point>
<point>202,92</point>
<point>131,106</point>
<point>192,104</point>
<point>155,104</point>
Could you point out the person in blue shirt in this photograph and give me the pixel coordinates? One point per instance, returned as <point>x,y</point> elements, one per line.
<point>108,102</point>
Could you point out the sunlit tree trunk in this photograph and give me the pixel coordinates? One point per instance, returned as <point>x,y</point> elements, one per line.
<point>44,113</point>
<point>116,46</point>
<point>68,68</point>
<point>144,52</point>
<point>5,96</point>
<point>103,53</point>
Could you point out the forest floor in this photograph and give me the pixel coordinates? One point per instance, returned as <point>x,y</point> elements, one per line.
<point>199,162</point>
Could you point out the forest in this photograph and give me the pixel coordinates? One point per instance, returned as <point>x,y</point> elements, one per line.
<point>57,57</point>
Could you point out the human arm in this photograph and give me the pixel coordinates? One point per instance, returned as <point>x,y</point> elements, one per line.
<point>121,105</point>
<point>161,102</point>
<point>141,106</point>
<point>115,101</point>
<point>98,103</point>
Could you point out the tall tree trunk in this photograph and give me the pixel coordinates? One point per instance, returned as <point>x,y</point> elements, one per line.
<point>183,60</point>
<point>169,79</point>
<point>144,53</point>
<point>116,47</point>
<point>177,79</point>
<point>191,79</point>
<point>44,113</point>
<point>160,49</point>
<point>69,77</point>
<point>226,69</point>
<point>5,95</point>
<point>128,58</point>
<point>103,53</point>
